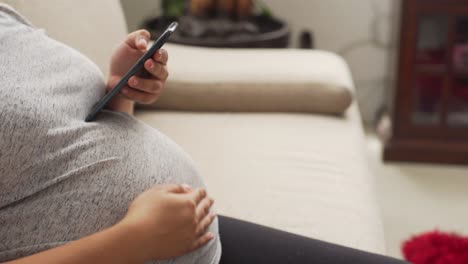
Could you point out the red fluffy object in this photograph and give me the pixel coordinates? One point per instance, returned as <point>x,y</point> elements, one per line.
<point>436,248</point>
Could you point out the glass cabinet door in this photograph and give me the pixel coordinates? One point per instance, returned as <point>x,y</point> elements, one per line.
<point>458,105</point>
<point>432,42</point>
<point>457,114</point>
<point>460,49</point>
<point>427,99</point>
<point>430,69</point>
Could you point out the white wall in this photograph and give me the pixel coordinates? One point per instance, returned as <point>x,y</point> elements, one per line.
<point>362,31</point>
<point>137,11</point>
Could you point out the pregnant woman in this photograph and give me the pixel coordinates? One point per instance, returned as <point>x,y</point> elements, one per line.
<point>114,190</point>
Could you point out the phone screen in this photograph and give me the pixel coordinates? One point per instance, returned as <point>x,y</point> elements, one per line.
<point>138,68</point>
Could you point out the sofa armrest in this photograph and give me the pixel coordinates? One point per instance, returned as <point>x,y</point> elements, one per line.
<point>258,80</point>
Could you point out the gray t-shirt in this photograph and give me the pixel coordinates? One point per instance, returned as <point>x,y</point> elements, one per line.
<point>60,178</point>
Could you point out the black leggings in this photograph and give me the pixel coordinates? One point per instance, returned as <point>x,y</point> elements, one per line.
<point>247,243</point>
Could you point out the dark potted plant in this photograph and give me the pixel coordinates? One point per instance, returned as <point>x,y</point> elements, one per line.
<point>222,23</point>
<point>231,8</point>
<point>173,8</point>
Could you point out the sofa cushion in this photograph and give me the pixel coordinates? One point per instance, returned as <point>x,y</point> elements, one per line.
<point>286,80</point>
<point>302,173</point>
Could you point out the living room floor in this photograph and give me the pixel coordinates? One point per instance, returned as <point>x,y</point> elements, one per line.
<point>416,198</point>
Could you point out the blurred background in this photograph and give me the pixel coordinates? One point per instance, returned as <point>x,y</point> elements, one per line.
<point>364,32</point>
<point>413,197</point>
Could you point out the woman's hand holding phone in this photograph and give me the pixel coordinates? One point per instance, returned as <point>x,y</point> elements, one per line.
<point>149,63</point>
<point>139,89</point>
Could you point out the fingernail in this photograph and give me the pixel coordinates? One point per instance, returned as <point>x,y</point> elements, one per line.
<point>142,41</point>
<point>186,187</point>
<point>158,55</point>
<point>151,65</point>
<point>135,82</point>
<point>210,235</point>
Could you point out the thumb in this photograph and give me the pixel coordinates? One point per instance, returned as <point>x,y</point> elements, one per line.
<point>138,39</point>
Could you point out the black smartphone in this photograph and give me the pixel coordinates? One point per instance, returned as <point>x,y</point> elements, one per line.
<point>136,69</point>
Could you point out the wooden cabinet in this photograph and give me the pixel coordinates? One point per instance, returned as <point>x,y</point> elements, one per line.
<point>430,107</point>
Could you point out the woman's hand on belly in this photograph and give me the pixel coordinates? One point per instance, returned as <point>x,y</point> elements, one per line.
<point>170,221</point>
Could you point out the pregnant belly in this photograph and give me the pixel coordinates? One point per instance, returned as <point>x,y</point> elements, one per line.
<point>129,158</point>
<point>84,204</point>
<point>71,210</point>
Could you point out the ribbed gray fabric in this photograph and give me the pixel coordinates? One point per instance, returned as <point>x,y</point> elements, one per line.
<point>61,178</point>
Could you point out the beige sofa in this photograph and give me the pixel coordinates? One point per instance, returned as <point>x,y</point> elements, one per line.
<point>301,172</point>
